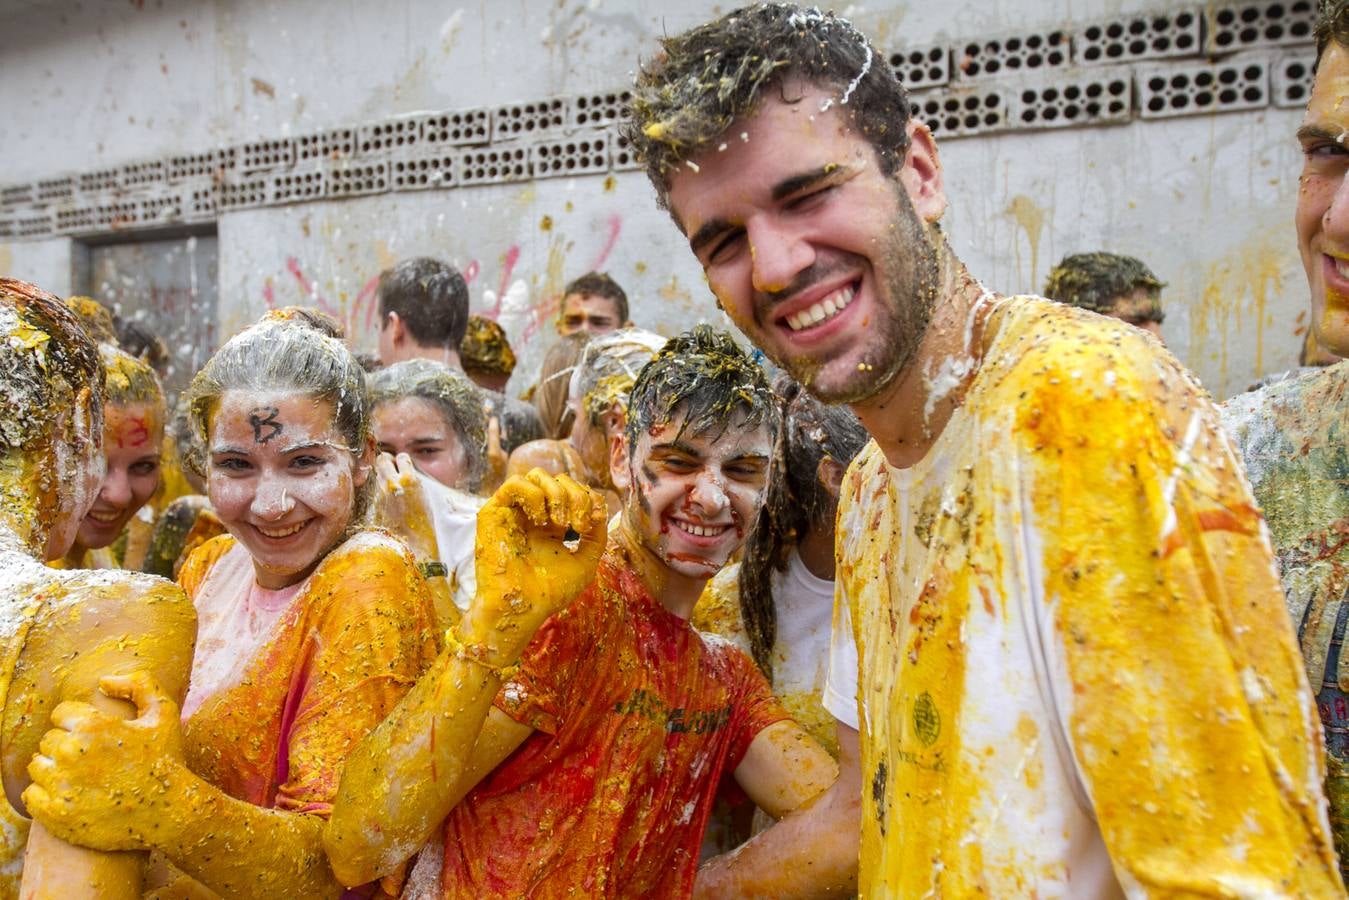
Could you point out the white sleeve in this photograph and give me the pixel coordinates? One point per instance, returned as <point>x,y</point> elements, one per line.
<point>840,687</point>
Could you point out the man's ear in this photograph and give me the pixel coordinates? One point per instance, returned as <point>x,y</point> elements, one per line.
<point>615,421</point>
<point>620,473</point>
<point>397,330</point>
<point>921,173</point>
<point>830,473</point>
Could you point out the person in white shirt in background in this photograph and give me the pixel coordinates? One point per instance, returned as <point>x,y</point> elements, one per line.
<point>777,603</point>
<point>430,429</point>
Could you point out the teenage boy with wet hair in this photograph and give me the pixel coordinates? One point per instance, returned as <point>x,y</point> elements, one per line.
<point>423,312</point>
<point>1077,675</point>
<point>1292,432</point>
<point>596,770</point>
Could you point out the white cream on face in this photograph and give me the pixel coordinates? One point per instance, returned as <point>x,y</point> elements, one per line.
<point>281,479</point>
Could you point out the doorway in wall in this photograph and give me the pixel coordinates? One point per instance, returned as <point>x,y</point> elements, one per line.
<point>166,283</point>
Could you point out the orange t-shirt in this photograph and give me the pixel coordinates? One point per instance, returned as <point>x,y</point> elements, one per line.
<point>637,717</point>
<point>322,672</point>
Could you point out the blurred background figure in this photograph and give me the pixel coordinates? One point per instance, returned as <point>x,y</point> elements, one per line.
<point>435,416</point>
<point>593,303</point>
<point>486,354</point>
<point>95,318</point>
<point>1110,284</point>
<point>133,434</point>
<point>423,312</point>
<point>431,432</point>
<point>136,338</point>
<point>550,398</point>
<point>777,603</point>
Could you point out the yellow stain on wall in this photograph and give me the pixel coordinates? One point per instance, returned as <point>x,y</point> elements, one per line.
<point>1236,290</point>
<point>1031,217</point>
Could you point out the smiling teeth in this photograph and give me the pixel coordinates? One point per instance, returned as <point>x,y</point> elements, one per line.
<point>701,530</point>
<point>281,532</point>
<point>1342,267</point>
<point>105,518</point>
<point>827,308</point>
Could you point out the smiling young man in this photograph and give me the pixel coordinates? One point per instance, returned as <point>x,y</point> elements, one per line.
<point>1061,592</point>
<point>1291,433</point>
<point>595,773</point>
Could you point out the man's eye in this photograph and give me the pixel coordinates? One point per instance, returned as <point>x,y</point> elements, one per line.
<point>427,451</point>
<point>306,462</point>
<point>144,468</point>
<point>808,200</point>
<point>680,464</point>
<point>725,248</point>
<point>233,464</point>
<point>1324,150</point>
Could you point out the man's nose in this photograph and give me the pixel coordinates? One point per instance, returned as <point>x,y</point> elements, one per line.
<point>779,252</point>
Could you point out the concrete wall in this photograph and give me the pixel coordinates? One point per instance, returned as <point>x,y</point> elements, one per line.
<point>1205,200</point>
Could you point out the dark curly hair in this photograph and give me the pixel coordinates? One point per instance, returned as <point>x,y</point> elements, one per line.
<point>705,375</point>
<point>1332,24</point>
<point>685,99</point>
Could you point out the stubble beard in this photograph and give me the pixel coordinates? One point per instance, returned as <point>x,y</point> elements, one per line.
<point>905,304</point>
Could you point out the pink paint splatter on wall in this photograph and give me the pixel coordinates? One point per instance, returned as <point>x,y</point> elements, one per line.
<point>615,228</point>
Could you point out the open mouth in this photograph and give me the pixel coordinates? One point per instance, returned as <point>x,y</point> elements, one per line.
<point>824,309</point>
<point>1341,266</point>
<point>283,532</point>
<point>700,531</point>
<point>104,518</point>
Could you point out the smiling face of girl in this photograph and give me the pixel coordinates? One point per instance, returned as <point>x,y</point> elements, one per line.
<point>282,480</point>
<point>132,435</point>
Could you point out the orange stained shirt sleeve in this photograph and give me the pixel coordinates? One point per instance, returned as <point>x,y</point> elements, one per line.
<point>199,560</point>
<point>373,634</point>
<point>1191,719</point>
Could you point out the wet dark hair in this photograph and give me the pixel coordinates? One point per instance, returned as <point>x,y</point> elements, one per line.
<point>795,502</point>
<point>129,380</point>
<point>1332,24</point>
<point>454,396</point>
<point>1096,281</point>
<point>431,299</point>
<point>706,377</point>
<point>600,284</point>
<point>686,99</point>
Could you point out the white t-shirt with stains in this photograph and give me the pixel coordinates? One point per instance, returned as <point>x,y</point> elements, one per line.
<point>1077,677</point>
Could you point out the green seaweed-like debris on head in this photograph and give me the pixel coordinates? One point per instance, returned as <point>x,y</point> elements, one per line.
<point>704,376</point>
